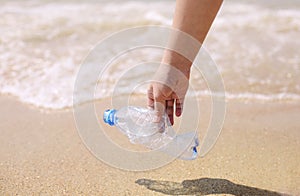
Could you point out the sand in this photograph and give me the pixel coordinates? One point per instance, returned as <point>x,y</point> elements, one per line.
<point>257,153</point>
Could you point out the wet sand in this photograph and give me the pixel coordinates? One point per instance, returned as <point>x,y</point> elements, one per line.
<point>257,153</point>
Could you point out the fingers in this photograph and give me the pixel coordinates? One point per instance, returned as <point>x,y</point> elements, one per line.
<point>160,99</point>
<point>159,107</point>
<point>170,110</point>
<point>179,107</point>
<point>157,103</point>
<point>150,102</point>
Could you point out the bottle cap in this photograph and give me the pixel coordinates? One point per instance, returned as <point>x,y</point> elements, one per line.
<point>108,116</point>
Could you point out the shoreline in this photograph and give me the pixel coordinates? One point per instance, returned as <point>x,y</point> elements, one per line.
<point>41,152</point>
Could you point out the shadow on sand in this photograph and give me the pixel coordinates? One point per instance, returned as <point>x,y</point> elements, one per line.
<point>203,186</point>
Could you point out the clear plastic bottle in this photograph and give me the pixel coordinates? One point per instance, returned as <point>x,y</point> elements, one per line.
<point>139,125</point>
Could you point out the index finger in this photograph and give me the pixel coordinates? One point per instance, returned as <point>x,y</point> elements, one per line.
<point>150,101</point>
<point>159,107</point>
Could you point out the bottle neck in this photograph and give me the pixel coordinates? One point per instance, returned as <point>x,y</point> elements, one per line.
<point>109,117</point>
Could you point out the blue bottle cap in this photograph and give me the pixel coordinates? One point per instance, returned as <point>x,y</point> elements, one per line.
<point>108,116</point>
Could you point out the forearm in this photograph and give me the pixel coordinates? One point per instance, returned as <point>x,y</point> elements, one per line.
<point>195,18</point>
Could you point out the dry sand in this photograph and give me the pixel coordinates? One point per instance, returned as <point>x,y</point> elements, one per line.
<point>257,153</point>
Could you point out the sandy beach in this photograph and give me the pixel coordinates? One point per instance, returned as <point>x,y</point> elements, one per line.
<point>43,46</point>
<point>257,153</point>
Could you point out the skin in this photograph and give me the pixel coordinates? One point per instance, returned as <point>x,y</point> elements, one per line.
<point>195,18</point>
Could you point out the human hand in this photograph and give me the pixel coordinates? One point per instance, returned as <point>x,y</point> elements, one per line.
<point>167,91</point>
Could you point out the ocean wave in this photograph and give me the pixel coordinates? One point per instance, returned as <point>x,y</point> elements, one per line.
<point>247,96</point>
<point>42,45</point>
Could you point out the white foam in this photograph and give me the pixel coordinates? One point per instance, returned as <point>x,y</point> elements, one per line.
<point>250,96</point>
<point>43,43</point>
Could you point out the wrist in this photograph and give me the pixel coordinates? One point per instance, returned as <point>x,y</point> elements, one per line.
<point>177,61</point>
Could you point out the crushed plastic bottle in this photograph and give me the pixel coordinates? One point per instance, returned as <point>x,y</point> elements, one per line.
<point>139,125</point>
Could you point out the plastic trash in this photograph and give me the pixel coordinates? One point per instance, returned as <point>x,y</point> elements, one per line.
<point>139,125</point>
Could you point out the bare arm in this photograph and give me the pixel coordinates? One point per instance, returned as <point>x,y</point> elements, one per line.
<point>195,18</point>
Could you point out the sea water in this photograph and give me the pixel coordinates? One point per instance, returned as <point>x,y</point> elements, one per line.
<point>42,44</point>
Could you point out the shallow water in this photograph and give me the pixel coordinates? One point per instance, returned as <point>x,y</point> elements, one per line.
<point>43,43</point>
